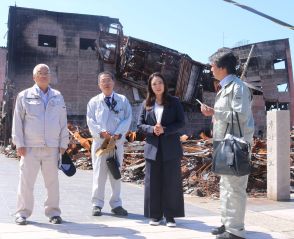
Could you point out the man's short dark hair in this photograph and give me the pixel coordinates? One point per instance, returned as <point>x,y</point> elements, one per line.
<point>225,58</point>
<point>106,73</point>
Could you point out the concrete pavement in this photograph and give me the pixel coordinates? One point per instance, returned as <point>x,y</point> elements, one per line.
<point>264,219</point>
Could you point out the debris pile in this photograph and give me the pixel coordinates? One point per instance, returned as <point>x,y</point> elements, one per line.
<point>80,147</point>
<point>195,166</point>
<point>9,151</point>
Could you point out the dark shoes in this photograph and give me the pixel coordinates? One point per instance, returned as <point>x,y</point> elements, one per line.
<point>170,222</point>
<point>21,220</point>
<point>55,220</point>
<point>119,211</point>
<point>218,230</point>
<point>155,221</point>
<point>227,235</point>
<point>96,211</point>
<point>221,233</point>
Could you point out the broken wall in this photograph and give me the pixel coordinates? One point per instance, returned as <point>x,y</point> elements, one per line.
<point>67,43</point>
<point>270,70</point>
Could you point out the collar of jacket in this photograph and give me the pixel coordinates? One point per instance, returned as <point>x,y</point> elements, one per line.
<point>101,96</point>
<point>229,82</point>
<point>34,93</point>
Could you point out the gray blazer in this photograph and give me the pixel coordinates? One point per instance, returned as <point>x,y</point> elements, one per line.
<point>173,120</point>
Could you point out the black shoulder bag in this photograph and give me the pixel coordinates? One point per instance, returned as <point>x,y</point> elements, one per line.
<point>113,166</point>
<point>232,155</point>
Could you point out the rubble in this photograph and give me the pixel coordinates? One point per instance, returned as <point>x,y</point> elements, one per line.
<point>9,151</point>
<point>195,165</point>
<point>80,147</point>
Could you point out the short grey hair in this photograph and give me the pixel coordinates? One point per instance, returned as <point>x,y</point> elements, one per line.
<point>225,58</point>
<point>106,73</point>
<point>38,67</point>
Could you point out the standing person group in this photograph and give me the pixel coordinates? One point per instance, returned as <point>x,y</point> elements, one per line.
<point>40,134</point>
<point>233,96</point>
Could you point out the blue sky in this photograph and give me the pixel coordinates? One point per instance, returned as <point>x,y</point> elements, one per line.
<point>195,27</point>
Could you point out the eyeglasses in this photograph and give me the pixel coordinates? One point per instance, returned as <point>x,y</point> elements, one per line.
<point>105,82</point>
<point>43,73</point>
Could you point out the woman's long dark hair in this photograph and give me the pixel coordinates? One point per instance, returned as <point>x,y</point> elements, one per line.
<point>150,99</point>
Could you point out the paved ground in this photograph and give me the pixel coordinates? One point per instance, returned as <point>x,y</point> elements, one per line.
<point>265,219</point>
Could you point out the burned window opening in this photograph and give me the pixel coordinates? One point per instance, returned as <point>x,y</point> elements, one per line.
<point>47,41</point>
<point>86,44</point>
<point>279,64</point>
<point>108,51</point>
<point>276,106</point>
<point>114,28</point>
<point>283,87</point>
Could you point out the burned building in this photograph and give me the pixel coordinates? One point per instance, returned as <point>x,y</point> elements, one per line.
<point>184,76</point>
<point>77,47</point>
<point>270,76</point>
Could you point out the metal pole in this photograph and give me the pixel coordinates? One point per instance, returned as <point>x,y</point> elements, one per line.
<point>247,62</point>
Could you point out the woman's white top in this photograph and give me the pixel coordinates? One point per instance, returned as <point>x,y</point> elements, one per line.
<point>158,110</point>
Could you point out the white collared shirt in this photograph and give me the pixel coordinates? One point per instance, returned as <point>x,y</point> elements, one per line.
<point>158,110</point>
<point>226,80</point>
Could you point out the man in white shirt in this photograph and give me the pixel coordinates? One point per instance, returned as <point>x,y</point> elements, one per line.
<point>109,115</point>
<point>39,131</point>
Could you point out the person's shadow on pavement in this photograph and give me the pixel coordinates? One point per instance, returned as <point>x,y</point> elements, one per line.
<point>91,229</point>
<point>97,228</point>
<point>200,226</point>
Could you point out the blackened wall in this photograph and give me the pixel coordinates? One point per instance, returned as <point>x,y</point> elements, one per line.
<point>3,53</point>
<point>74,70</point>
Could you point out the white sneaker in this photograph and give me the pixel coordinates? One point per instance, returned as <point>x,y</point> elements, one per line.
<point>170,222</point>
<point>155,221</point>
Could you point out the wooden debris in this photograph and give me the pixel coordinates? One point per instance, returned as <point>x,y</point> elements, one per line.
<point>195,165</point>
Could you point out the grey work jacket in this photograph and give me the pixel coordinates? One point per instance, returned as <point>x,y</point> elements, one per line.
<point>235,96</point>
<point>35,125</point>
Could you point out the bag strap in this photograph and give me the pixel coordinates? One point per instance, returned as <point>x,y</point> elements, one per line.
<point>228,124</point>
<point>114,152</point>
<point>226,129</point>
<point>232,120</point>
<point>237,117</point>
